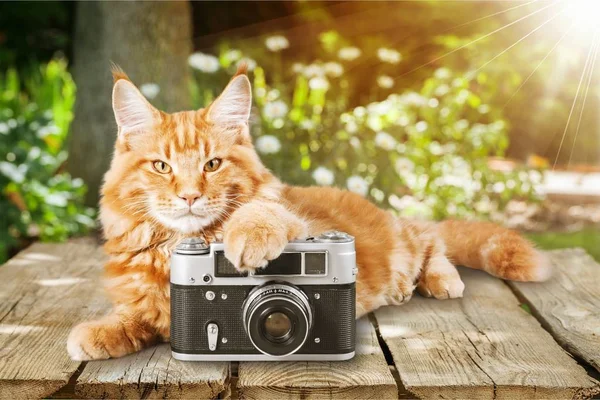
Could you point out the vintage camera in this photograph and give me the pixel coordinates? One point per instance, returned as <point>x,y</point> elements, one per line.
<point>301,306</point>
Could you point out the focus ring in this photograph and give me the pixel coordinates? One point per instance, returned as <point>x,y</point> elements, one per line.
<point>272,298</point>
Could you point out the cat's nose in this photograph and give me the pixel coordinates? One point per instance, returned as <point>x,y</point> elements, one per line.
<point>190,198</point>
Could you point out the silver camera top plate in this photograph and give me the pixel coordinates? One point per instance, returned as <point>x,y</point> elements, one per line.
<point>194,263</point>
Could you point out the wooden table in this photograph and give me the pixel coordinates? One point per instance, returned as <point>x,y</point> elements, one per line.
<point>500,341</point>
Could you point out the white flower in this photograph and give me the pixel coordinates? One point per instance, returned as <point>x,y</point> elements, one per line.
<point>250,63</point>
<point>349,53</point>
<point>323,176</point>
<point>351,127</point>
<point>273,95</point>
<point>268,144</point>
<point>535,176</point>
<point>318,83</point>
<point>360,111</point>
<point>385,81</point>
<point>412,99</point>
<point>433,103</point>
<point>484,109</point>
<point>150,90</point>
<point>298,68</point>
<point>421,126</point>
<point>48,130</point>
<point>403,120</point>
<point>442,73</point>
<point>277,43</point>
<point>355,142</point>
<point>307,124</point>
<point>436,149</point>
<point>358,185</point>
<point>461,124</point>
<point>204,62</point>
<point>233,55</point>
<point>4,128</point>
<point>385,141</point>
<point>483,206</point>
<point>441,90</point>
<point>275,109</point>
<point>404,165</point>
<point>333,69</point>
<point>313,70</point>
<point>389,55</point>
<point>402,203</point>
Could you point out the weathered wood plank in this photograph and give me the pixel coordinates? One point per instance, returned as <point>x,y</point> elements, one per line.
<point>569,303</point>
<point>44,291</point>
<point>481,346</point>
<point>152,373</point>
<point>366,376</point>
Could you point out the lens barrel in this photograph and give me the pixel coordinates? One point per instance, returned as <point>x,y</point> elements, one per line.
<point>277,318</point>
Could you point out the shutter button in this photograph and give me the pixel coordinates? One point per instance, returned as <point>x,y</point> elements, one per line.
<point>192,246</point>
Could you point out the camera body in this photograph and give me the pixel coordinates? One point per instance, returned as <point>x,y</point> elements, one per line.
<point>301,306</point>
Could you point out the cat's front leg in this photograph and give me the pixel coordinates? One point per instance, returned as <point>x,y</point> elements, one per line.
<point>258,231</point>
<point>112,336</point>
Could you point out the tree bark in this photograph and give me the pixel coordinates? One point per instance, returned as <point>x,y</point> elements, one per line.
<point>151,41</point>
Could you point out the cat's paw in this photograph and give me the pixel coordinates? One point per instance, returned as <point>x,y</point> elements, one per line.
<point>82,344</point>
<point>256,235</point>
<point>441,286</point>
<point>250,245</point>
<point>99,340</point>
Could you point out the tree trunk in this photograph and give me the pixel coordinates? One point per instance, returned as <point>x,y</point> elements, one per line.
<point>151,41</point>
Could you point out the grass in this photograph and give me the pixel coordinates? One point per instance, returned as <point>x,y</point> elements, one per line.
<point>588,238</point>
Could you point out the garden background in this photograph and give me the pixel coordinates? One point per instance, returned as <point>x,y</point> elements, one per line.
<point>433,109</point>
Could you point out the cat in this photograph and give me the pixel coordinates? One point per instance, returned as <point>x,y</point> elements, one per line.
<point>196,173</point>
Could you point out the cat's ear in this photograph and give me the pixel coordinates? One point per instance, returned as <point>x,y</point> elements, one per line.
<point>133,112</point>
<point>234,104</point>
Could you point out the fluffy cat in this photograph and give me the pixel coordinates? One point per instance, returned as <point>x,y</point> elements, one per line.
<point>196,173</point>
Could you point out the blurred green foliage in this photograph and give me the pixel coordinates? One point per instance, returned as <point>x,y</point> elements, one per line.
<point>38,199</point>
<point>587,238</point>
<point>423,152</point>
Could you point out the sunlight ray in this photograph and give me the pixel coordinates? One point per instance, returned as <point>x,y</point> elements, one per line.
<point>519,41</point>
<point>488,16</point>
<point>589,81</point>
<point>585,67</point>
<point>478,39</point>
<point>539,65</point>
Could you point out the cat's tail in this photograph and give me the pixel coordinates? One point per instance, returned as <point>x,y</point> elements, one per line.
<point>494,249</point>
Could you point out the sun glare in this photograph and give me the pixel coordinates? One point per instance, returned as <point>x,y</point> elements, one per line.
<point>585,14</point>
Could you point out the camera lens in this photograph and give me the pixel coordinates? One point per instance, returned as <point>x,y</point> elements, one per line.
<point>277,325</point>
<point>277,318</point>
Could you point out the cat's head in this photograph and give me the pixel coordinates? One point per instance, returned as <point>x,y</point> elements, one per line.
<point>184,171</point>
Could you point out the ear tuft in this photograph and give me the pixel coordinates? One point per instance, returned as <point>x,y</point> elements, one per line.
<point>118,73</point>
<point>242,69</point>
<point>234,104</point>
<point>132,110</point>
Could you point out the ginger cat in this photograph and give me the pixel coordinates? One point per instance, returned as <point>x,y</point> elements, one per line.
<point>196,173</point>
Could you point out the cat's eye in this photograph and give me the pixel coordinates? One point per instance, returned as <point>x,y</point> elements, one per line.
<point>161,167</point>
<point>212,165</point>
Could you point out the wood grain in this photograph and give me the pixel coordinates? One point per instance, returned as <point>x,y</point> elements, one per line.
<point>569,303</point>
<point>481,346</point>
<point>44,291</point>
<point>366,376</point>
<point>152,373</point>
